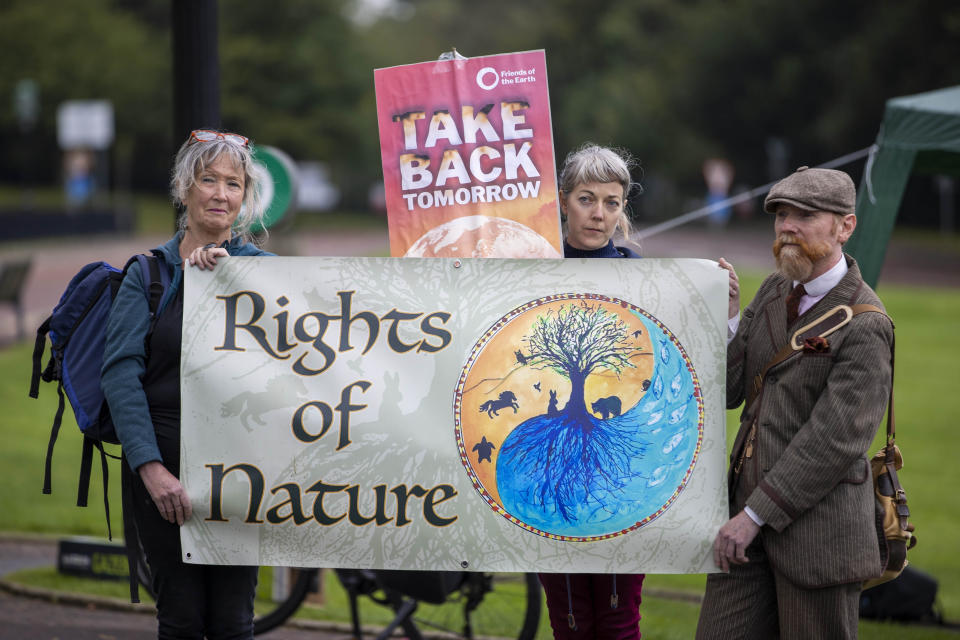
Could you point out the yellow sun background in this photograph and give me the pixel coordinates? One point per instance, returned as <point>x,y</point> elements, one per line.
<point>497,369</point>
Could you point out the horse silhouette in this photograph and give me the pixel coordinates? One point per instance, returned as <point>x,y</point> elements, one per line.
<point>506,400</point>
<point>606,406</point>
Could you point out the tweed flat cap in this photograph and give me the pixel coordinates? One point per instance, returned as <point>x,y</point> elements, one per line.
<point>814,190</point>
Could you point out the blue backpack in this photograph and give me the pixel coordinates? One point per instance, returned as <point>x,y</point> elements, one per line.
<point>77,329</point>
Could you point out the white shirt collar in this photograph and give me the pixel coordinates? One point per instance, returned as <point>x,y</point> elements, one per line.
<point>819,286</point>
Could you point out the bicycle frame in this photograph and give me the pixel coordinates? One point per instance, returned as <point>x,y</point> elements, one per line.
<point>402,592</point>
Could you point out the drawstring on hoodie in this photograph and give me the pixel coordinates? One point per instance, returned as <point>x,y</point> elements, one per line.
<point>614,601</point>
<point>570,619</point>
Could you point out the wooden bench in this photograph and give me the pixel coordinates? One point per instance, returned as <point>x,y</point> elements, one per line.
<point>13,277</point>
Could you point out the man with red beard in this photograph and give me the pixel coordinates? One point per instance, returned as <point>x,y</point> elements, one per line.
<point>802,538</point>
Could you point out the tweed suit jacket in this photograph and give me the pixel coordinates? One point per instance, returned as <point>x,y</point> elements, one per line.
<point>817,413</point>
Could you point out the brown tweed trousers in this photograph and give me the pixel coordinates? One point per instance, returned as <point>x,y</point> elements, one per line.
<point>808,475</point>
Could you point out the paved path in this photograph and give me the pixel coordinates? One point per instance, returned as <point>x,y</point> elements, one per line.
<point>38,614</point>
<point>54,262</point>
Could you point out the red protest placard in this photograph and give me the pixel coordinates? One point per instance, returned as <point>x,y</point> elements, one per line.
<point>468,161</point>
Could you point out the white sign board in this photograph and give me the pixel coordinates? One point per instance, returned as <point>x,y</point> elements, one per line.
<point>493,415</point>
<point>85,124</point>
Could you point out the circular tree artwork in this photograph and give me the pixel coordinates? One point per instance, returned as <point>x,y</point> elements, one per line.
<point>579,417</point>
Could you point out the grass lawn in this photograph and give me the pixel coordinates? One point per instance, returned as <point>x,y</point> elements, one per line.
<point>663,618</point>
<point>928,345</point>
<point>927,350</point>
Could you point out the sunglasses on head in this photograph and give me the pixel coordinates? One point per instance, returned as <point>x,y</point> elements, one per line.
<point>206,135</point>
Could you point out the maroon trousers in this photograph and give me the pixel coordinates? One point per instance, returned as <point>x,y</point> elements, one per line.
<point>588,605</point>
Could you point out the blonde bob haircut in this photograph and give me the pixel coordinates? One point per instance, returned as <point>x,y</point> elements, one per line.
<point>195,156</point>
<point>594,163</point>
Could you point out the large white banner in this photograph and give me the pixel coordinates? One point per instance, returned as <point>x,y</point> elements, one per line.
<point>490,415</point>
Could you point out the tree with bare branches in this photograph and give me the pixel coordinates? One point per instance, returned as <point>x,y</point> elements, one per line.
<point>575,341</point>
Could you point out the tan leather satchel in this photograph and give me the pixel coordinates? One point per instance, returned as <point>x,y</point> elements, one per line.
<point>895,535</point>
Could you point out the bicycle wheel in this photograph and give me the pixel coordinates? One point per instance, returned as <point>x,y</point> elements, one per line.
<point>488,605</point>
<point>272,607</point>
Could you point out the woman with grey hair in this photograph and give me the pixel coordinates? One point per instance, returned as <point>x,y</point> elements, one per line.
<point>218,186</point>
<point>595,182</point>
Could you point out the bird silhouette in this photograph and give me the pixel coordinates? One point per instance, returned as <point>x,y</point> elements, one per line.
<point>522,359</point>
<point>537,386</point>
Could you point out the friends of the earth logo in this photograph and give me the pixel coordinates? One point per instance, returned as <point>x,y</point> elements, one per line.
<point>579,417</point>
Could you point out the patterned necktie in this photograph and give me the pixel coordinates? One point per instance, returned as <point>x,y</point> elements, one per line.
<point>793,303</point>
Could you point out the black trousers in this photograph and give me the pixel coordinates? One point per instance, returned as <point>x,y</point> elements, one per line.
<point>194,601</point>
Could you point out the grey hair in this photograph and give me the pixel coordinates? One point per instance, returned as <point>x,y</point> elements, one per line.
<point>194,157</point>
<point>594,163</point>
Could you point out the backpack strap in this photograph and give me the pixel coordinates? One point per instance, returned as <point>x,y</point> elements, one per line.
<point>156,284</point>
<point>83,485</point>
<point>38,348</point>
<point>822,326</point>
<point>54,432</point>
<point>131,536</point>
<point>890,462</point>
<point>155,287</point>
<point>155,280</point>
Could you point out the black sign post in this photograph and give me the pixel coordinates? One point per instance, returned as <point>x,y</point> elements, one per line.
<point>196,67</point>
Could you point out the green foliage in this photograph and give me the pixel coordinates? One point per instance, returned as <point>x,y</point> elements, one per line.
<point>87,50</point>
<point>674,82</point>
<point>309,94</point>
<point>25,431</point>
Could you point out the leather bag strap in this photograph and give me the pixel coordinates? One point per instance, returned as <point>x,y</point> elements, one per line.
<point>822,326</point>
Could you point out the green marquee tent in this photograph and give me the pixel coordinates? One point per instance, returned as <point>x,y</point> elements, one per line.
<point>919,133</point>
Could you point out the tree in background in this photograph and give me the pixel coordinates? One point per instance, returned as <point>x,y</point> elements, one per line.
<point>674,82</point>
<point>296,75</point>
<point>85,51</point>
<point>678,82</point>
